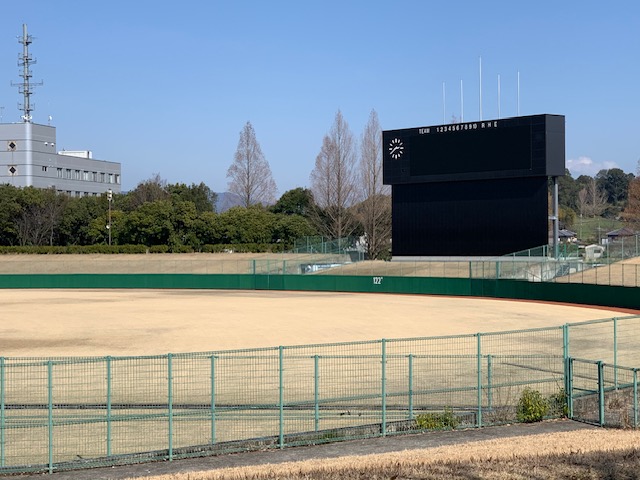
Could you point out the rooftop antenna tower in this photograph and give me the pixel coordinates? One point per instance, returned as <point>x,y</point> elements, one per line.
<point>26,86</point>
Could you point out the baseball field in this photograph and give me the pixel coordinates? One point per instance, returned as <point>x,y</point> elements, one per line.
<point>54,323</point>
<point>87,322</point>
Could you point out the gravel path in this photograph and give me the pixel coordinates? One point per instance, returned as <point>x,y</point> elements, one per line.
<point>333,450</point>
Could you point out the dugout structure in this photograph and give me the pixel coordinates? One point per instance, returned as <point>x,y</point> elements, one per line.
<point>473,189</point>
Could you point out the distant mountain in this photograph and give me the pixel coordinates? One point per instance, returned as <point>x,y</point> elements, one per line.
<point>227,200</point>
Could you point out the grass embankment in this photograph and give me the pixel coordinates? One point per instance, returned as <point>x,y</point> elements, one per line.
<point>612,454</point>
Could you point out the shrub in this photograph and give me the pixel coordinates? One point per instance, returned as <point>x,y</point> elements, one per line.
<point>558,404</point>
<point>437,421</point>
<point>532,406</point>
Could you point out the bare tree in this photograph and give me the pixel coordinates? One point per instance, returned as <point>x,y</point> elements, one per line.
<point>333,181</point>
<point>39,220</point>
<point>374,212</point>
<point>632,211</point>
<point>250,173</point>
<point>597,198</point>
<point>150,190</point>
<point>583,202</point>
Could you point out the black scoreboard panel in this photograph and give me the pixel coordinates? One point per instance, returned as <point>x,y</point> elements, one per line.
<point>472,189</point>
<point>472,218</point>
<point>506,148</point>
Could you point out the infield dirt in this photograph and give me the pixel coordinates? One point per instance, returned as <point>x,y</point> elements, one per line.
<point>46,323</point>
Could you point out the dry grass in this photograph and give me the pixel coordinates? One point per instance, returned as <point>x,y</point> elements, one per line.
<point>573,455</point>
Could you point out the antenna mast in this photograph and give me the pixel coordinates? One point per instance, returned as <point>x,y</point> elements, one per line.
<point>26,87</point>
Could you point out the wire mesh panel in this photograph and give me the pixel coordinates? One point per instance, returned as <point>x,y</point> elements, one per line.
<point>25,414</point>
<point>592,340</point>
<point>246,394</point>
<point>627,339</point>
<point>349,387</point>
<point>619,405</point>
<point>69,413</point>
<point>584,382</point>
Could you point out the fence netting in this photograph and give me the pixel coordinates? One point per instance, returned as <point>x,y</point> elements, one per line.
<point>65,413</point>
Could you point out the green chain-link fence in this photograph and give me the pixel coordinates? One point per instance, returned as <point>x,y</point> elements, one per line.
<point>65,413</point>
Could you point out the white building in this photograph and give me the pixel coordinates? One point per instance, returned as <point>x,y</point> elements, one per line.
<point>28,155</point>
<point>29,158</point>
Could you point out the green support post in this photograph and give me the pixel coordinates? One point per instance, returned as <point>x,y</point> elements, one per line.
<point>489,382</point>
<point>281,396</point>
<point>567,363</point>
<point>2,412</point>
<point>569,385</point>
<point>109,381</point>
<point>170,402</point>
<point>615,352</point>
<point>316,388</point>
<point>601,393</point>
<point>410,386</point>
<point>213,399</point>
<point>384,387</point>
<point>635,398</point>
<point>50,412</point>
<point>479,379</point>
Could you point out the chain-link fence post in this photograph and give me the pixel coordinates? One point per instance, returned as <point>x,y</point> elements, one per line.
<point>635,398</point>
<point>316,392</point>
<point>384,387</point>
<point>568,382</point>
<point>489,382</point>
<point>109,381</point>
<point>213,399</point>
<point>615,352</point>
<point>2,409</point>
<point>479,379</point>
<point>410,386</point>
<point>170,402</point>
<point>601,393</point>
<point>281,396</point>
<point>50,412</point>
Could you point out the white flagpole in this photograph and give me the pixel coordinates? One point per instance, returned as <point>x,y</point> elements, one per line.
<point>480,88</point>
<point>498,95</point>
<point>518,92</point>
<point>444,104</point>
<point>461,103</point>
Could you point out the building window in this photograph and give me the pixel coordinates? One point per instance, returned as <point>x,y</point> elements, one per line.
<point>59,172</point>
<point>76,175</point>
<point>68,174</point>
<point>94,176</point>
<point>101,177</point>
<point>44,168</point>
<point>117,178</point>
<point>85,176</point>
<point>111,178</point>
<point>78,194</point>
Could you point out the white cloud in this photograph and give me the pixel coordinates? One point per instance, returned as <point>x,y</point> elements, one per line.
<point>586,166</point>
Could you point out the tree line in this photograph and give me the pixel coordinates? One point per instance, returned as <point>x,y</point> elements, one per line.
<point>346,198</point>
<point>611,193</point>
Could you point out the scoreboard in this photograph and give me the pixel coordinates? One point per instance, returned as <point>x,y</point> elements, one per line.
<point>475,188</point>
<point>506,148</point>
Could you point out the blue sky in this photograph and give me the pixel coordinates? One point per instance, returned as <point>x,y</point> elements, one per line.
<point>166,87</point>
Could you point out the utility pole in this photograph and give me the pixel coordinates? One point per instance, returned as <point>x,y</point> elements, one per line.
<point>109,198</point>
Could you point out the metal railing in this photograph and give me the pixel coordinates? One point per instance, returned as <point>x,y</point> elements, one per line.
<point>66,413</point>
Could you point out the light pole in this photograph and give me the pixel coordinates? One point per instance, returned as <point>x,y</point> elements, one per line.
<point>109,198</point>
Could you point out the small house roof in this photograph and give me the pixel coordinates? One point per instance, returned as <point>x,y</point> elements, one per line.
<point>564,233</point>
<point>621,232</point>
